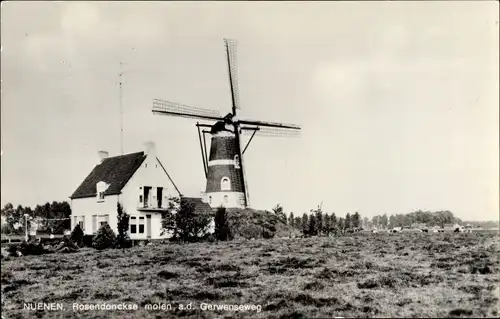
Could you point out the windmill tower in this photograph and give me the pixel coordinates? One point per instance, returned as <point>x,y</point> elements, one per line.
<point>224,170</point>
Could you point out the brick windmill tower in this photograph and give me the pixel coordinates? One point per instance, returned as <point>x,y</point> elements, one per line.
<point>224,170</point>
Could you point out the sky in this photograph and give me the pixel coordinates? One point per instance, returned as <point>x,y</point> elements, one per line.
<point>398,101</point>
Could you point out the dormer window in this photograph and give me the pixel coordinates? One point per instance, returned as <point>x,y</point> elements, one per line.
<point>225,184</point>
<point>236,161</point>
<point>101,188</point>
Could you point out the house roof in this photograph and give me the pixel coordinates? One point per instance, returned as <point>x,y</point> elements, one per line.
<point>115,171</point>
<point>199,206</point>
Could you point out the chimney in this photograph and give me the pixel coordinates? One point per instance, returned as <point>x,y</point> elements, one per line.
<point>150,149</point>
<point>102,155</point>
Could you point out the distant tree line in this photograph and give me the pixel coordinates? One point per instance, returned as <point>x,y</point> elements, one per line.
<point>13,217</point>
<point>318,223</point>
<point>439,218</point>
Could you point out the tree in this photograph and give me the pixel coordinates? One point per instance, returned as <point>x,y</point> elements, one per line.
<point>186,224</point>
<point>222,231</point>
<point>305,224</point>
<point>53,216</point>
<point>327,227</point>
<point>312,230</point>
<point>392,221</point>
<point>356,220</point>
<point>341,224</point>
<point>123,223</point>
<point>333,222</point>
<point>298,223</point>
<point>366,223</point>
<point>384,221</point>
<point>104,238</point>
<point>347,221</point>
<point>291,220</point>
<point>11,218</point>
<point>77,235</point>
<point>319,221</point>
<point>278,211</point>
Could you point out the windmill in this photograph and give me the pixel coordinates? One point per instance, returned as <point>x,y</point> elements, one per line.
<point>224,170</point>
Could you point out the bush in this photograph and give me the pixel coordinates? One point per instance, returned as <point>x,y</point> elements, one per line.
<point>222,231</point>
<point>87,240</point>
<point>127,243</point>
<point>13,249</point>
<point>186,224</point>
<point>105,238</point>
<point>250,223</point>
<point>31,248</point>
<point>77,235</point>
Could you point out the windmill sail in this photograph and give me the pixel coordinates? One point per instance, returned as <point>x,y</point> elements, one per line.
<point>270,131</point>
<point>270,124</point>
<point>232,69</point>
<point>176,109</point>
<point>233,83</point>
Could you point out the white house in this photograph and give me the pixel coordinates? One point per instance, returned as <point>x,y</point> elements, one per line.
<point>138,181</point>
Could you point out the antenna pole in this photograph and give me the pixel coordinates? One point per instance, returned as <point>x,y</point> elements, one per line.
<point>121,108</point>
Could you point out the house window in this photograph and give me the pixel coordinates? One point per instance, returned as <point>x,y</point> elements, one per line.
<point>159,194</point>
<point>147,196</point>
<point>133,226</point>
<point>210,199</point>
<point>225,184</point>
<point>225,199</point>
<point>236,161</point>
<point>94,224</point>
<point>82,223</point>
<point>101,188</point>
<point>141,225</point>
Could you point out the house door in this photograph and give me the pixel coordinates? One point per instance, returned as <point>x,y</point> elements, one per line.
<point>148,226</point>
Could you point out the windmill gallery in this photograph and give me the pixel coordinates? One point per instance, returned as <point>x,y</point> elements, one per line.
<point>140,182</point>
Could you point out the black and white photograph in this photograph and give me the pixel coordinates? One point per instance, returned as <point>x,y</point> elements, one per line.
<point>250,159</point>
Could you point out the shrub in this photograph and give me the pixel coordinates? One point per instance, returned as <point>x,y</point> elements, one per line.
<point>77,235</point>
<point>87,240</point>
<point>186,224</point>
<point>12,250</point>
<point>222,231</point>
<point>105,238</point>
<point>31,248</point>
<point>209,238</point>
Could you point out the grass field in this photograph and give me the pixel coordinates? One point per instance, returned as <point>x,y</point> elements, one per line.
<point>362,275</point>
